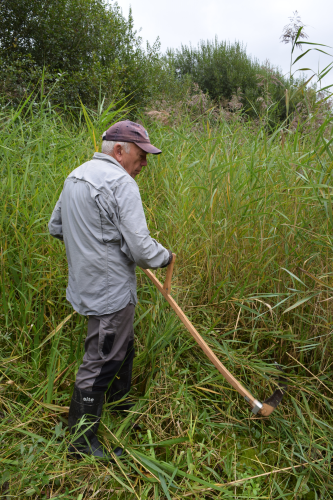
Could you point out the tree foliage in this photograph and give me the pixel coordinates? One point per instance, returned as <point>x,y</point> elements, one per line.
<point>220,68</point>
<point>84,47</point>
<point>223,70</point>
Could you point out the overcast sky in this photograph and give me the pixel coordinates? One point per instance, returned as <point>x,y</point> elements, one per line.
<point>258,24</point>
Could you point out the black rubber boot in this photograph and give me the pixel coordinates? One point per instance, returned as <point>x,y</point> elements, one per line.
<point>121,384</point>
<point>88,404</point>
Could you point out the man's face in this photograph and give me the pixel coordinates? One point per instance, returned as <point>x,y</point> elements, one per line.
<point>133,161</point>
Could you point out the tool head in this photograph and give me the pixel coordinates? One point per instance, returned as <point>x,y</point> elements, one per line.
<point>275,399</point>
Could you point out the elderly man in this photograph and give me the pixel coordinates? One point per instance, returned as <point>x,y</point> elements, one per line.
<point>100,218</point>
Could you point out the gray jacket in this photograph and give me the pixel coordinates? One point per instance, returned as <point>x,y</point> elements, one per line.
<point>100,218</point>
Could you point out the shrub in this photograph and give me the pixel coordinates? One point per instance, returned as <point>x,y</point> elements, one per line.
<point>224,70</point>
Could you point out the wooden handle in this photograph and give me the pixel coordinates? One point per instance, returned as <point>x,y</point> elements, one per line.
<point>167,283</point>
<point>197,337</point>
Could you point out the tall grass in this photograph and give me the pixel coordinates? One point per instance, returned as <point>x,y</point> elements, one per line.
<point>250,219</point>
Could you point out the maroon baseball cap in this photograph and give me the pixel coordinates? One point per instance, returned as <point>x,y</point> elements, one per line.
<point>127,131</point>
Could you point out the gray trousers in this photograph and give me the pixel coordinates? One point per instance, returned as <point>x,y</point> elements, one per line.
<point>109,353</point>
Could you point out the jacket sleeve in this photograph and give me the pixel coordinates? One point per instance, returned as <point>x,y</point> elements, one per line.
<point>55,224</point>
<point>147,252</point>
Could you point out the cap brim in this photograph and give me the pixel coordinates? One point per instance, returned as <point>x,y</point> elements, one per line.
<point>148,148</point>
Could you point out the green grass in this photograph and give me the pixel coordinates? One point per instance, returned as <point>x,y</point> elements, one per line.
<point>250,219</point>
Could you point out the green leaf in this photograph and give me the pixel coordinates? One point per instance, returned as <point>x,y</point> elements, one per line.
<point>300,56</point>
<point>167,442</point>
<point>299,302</point>
<point>293,276</point>
<point>164,486</point>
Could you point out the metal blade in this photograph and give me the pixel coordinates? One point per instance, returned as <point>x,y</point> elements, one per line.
<point>275,399</point>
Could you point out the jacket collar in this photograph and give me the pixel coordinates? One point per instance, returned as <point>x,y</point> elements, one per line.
<point>103,156</point>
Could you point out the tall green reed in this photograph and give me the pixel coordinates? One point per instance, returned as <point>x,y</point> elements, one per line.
<point>248,215</point>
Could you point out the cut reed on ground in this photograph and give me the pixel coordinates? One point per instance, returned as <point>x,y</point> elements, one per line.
<point>249,216</point>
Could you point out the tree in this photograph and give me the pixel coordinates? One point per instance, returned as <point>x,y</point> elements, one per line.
<point>224,70</point>
<point>88,42</point>
<point>65,35</point>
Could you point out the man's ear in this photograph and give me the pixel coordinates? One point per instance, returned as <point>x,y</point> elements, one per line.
<point>117,152</point>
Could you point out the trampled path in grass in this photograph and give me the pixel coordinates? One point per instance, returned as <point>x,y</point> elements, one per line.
<point>249,215</point>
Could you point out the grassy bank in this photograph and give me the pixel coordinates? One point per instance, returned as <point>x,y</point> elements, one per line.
<point>250,219</point>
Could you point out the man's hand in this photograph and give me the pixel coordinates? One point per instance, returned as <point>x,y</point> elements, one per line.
<point>169,261</point>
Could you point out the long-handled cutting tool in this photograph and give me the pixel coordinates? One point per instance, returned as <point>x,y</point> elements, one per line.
<point>265,408</point>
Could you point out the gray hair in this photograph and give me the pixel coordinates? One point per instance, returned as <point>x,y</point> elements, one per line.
<point>108,146</point>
